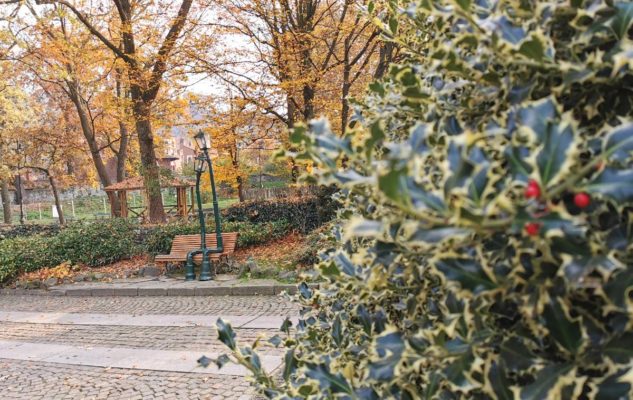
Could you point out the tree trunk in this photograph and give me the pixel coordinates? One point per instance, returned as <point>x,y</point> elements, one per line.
<point>6,202</point>
<point>122,155</point>
<point>344,93</point>
<point>385,58</point>
<point>290,108</point>
<point>240,189</point>
<point>88,132</point>
<point>20,196</point>
<point>308,102</point>
<point>60,212</point>
<point>150,169</point>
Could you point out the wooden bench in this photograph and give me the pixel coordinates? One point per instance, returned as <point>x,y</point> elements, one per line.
<point>183,244</point>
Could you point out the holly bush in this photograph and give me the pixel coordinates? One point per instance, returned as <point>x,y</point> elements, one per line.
<point>484,244</point>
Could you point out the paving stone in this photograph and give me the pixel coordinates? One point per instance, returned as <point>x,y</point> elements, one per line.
<point>194,305</point>
<point>37,380</point>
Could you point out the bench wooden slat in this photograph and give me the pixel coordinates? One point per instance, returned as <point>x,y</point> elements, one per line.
<point>183,244</point>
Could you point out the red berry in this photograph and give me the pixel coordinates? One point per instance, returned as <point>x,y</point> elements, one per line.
<point>582,200</point>
<point>533,190</point>
<point>532,228</point>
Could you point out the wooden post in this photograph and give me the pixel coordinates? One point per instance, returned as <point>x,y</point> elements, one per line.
<point>123,201</point>
<point>181,201</point>
<point>193,202</point>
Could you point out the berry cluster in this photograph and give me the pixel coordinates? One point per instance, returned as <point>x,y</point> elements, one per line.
<point>533,191</point>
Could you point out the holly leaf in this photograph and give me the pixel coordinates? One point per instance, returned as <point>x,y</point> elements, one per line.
<point>613,183</point>
<point>467,272</point>
<point>620,349</point>
<point>562,328</point>
<point>558,144</point>
<point>226,333</point>
<point>621,21</point>
<point>618,144</point>
<point>545,382</point>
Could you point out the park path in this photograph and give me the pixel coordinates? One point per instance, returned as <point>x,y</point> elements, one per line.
<point>55,347</point>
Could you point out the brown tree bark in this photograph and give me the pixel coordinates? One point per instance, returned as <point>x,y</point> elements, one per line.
<point>20,197</point>
<point>240,189</point>
<point>89,135</point>
<point>149,168</point>
<point>386,56</point>
<point>60,212</point>
<point>6,202</point>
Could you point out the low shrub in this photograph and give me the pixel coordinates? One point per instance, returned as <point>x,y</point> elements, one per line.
<point>92,244</point>
<point>160,238</point>
<point>28,230</point>
<point>303,214</point>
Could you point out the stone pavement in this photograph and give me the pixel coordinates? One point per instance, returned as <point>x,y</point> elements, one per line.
<point>223,285</point>
<point>130,347</point>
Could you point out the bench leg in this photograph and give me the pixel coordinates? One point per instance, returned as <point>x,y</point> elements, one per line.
<point>190,272</point>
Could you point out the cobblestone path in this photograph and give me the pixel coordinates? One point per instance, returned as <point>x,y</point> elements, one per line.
<point>101,363</point>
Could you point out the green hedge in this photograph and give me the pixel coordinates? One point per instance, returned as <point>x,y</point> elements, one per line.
<point>159,239</point>
<point>28,230</point>
<point>304,214</point>
<point>92,244</point>
<point>30,248</point>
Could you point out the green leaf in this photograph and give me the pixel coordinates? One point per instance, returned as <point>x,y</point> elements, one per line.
<point>393,25</point>
<point>337,331</point>
<point>613,388</point>
<point>327,380</point>
<point>618,144</point>
<point>467,272</point>
<point>394,185</point>
<point>464,4</point>
<point>290,364</point>
<point>516,355</point>
<point>456,371</point>
<point>509,32</point>
<point>613,183</point>
<point>620,349</point>
<point>619,287</point>
<point>538,116</point>
<point>389,347</point>
<point>545,382</point>
<point>222,360</point>
<point>436,235</point>
<point>566,332</point>
<point>622,20</point>
<point>226,333</point>
<point>499,382</point>
<point>534,48</point>
<point>558,144</point>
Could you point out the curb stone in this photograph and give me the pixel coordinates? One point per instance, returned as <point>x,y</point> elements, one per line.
<point>240,290</point>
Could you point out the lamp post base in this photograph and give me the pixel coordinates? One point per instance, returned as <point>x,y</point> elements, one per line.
<point>190,274</point>
<point>205,271</point>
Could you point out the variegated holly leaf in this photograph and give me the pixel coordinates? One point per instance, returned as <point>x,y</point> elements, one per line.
<point>546,383</point>
<point>467,272</point>
<point>613,183</point>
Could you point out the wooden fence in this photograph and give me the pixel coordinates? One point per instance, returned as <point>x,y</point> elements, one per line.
<point>279,193</point>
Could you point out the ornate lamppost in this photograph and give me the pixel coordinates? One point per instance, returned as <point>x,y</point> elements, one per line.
<point>201,162</point>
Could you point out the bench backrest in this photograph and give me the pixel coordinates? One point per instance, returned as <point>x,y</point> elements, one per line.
<point>186,243</point>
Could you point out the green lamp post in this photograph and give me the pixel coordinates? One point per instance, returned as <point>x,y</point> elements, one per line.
<point>201,162</point>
